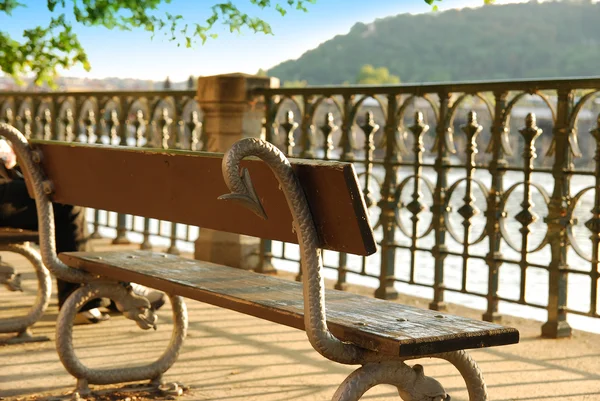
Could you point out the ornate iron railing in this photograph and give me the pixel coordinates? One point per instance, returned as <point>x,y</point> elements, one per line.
<point>164,119</point>
<point>464,198</point>
<point>469,192</point>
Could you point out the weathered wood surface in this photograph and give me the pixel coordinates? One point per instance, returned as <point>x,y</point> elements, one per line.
<point>385,326</point>
<point>183,187</point>
<point>16,235</point>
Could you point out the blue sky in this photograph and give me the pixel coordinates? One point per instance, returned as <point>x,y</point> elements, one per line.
<point>134,54</point>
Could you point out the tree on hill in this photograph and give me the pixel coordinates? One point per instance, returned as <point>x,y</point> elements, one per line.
<point>527,40</point>
<point>295,84</point>
<point>369,75</point>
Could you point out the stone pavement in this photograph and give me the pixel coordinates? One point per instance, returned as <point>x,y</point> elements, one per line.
<point>230,356</point>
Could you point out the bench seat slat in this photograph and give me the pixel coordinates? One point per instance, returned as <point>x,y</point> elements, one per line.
<point>368,322</point>
<point>10,235</point>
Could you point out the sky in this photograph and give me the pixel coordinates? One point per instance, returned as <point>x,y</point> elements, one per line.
<point>134,54</point>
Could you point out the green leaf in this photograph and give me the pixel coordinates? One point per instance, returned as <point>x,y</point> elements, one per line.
<point>8,6</point>
<point>43,49</point>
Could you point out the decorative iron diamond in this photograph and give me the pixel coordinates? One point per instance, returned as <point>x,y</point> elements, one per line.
<point>415,207</point>
<point>593,224</point>
<point>526,217</point>
<point>468,211</point>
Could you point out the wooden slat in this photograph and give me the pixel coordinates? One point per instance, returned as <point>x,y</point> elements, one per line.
<point>183,187</point>
<point>16,235</point>
<point>371,323</point>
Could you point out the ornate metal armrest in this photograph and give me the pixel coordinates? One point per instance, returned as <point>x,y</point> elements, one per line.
<point>29,161</point>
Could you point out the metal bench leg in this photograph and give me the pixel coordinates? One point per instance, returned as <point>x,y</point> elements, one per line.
<point>411,382</point>
<point>470,372</point>
<point>21,325</point>
<point>133,307</point>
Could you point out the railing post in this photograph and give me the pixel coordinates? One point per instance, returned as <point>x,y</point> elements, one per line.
<point>347,142</point>
<point>370,127</point>
<point>9,116</point>
<point>307,129</point>
<point>439,209</point>
<point>98,129</point>
<point>418,129</point>
<point>46,121</point>
<point>88,122</point>
<point>28,124</point>
<point>224,99</point>
<point>69,123</point>
<point>112,127</point>
<point>265,254</point>
<point>194,126</point>
<point>112,124</point>
<point>593,225</point>
<point>265,261</point>
<point>34,117</point>
<point>121,238</point>
<point>289,126</point>
<point>557,325</point>
<point>494,211</point>
<point>341,283</point>
<point>140,124</point>
<point>169,138</point>
<point>388,205</point>
<point>55,119</point>
<point>347,145</point>
<point>328,128</point>
<point>472,130</point>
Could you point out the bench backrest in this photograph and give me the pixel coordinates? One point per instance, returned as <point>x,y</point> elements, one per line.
<point>183,187</point>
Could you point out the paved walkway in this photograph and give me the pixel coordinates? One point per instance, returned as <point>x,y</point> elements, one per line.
<point>230,356</point>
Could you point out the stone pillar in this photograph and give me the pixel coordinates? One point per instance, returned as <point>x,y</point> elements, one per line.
<point>229,115</point>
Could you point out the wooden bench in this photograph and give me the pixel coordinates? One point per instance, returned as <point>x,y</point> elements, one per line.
<point>313,203</point>
<point>18,241</point>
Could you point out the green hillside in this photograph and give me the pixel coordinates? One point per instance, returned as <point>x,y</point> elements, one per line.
<point>530,40</point>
